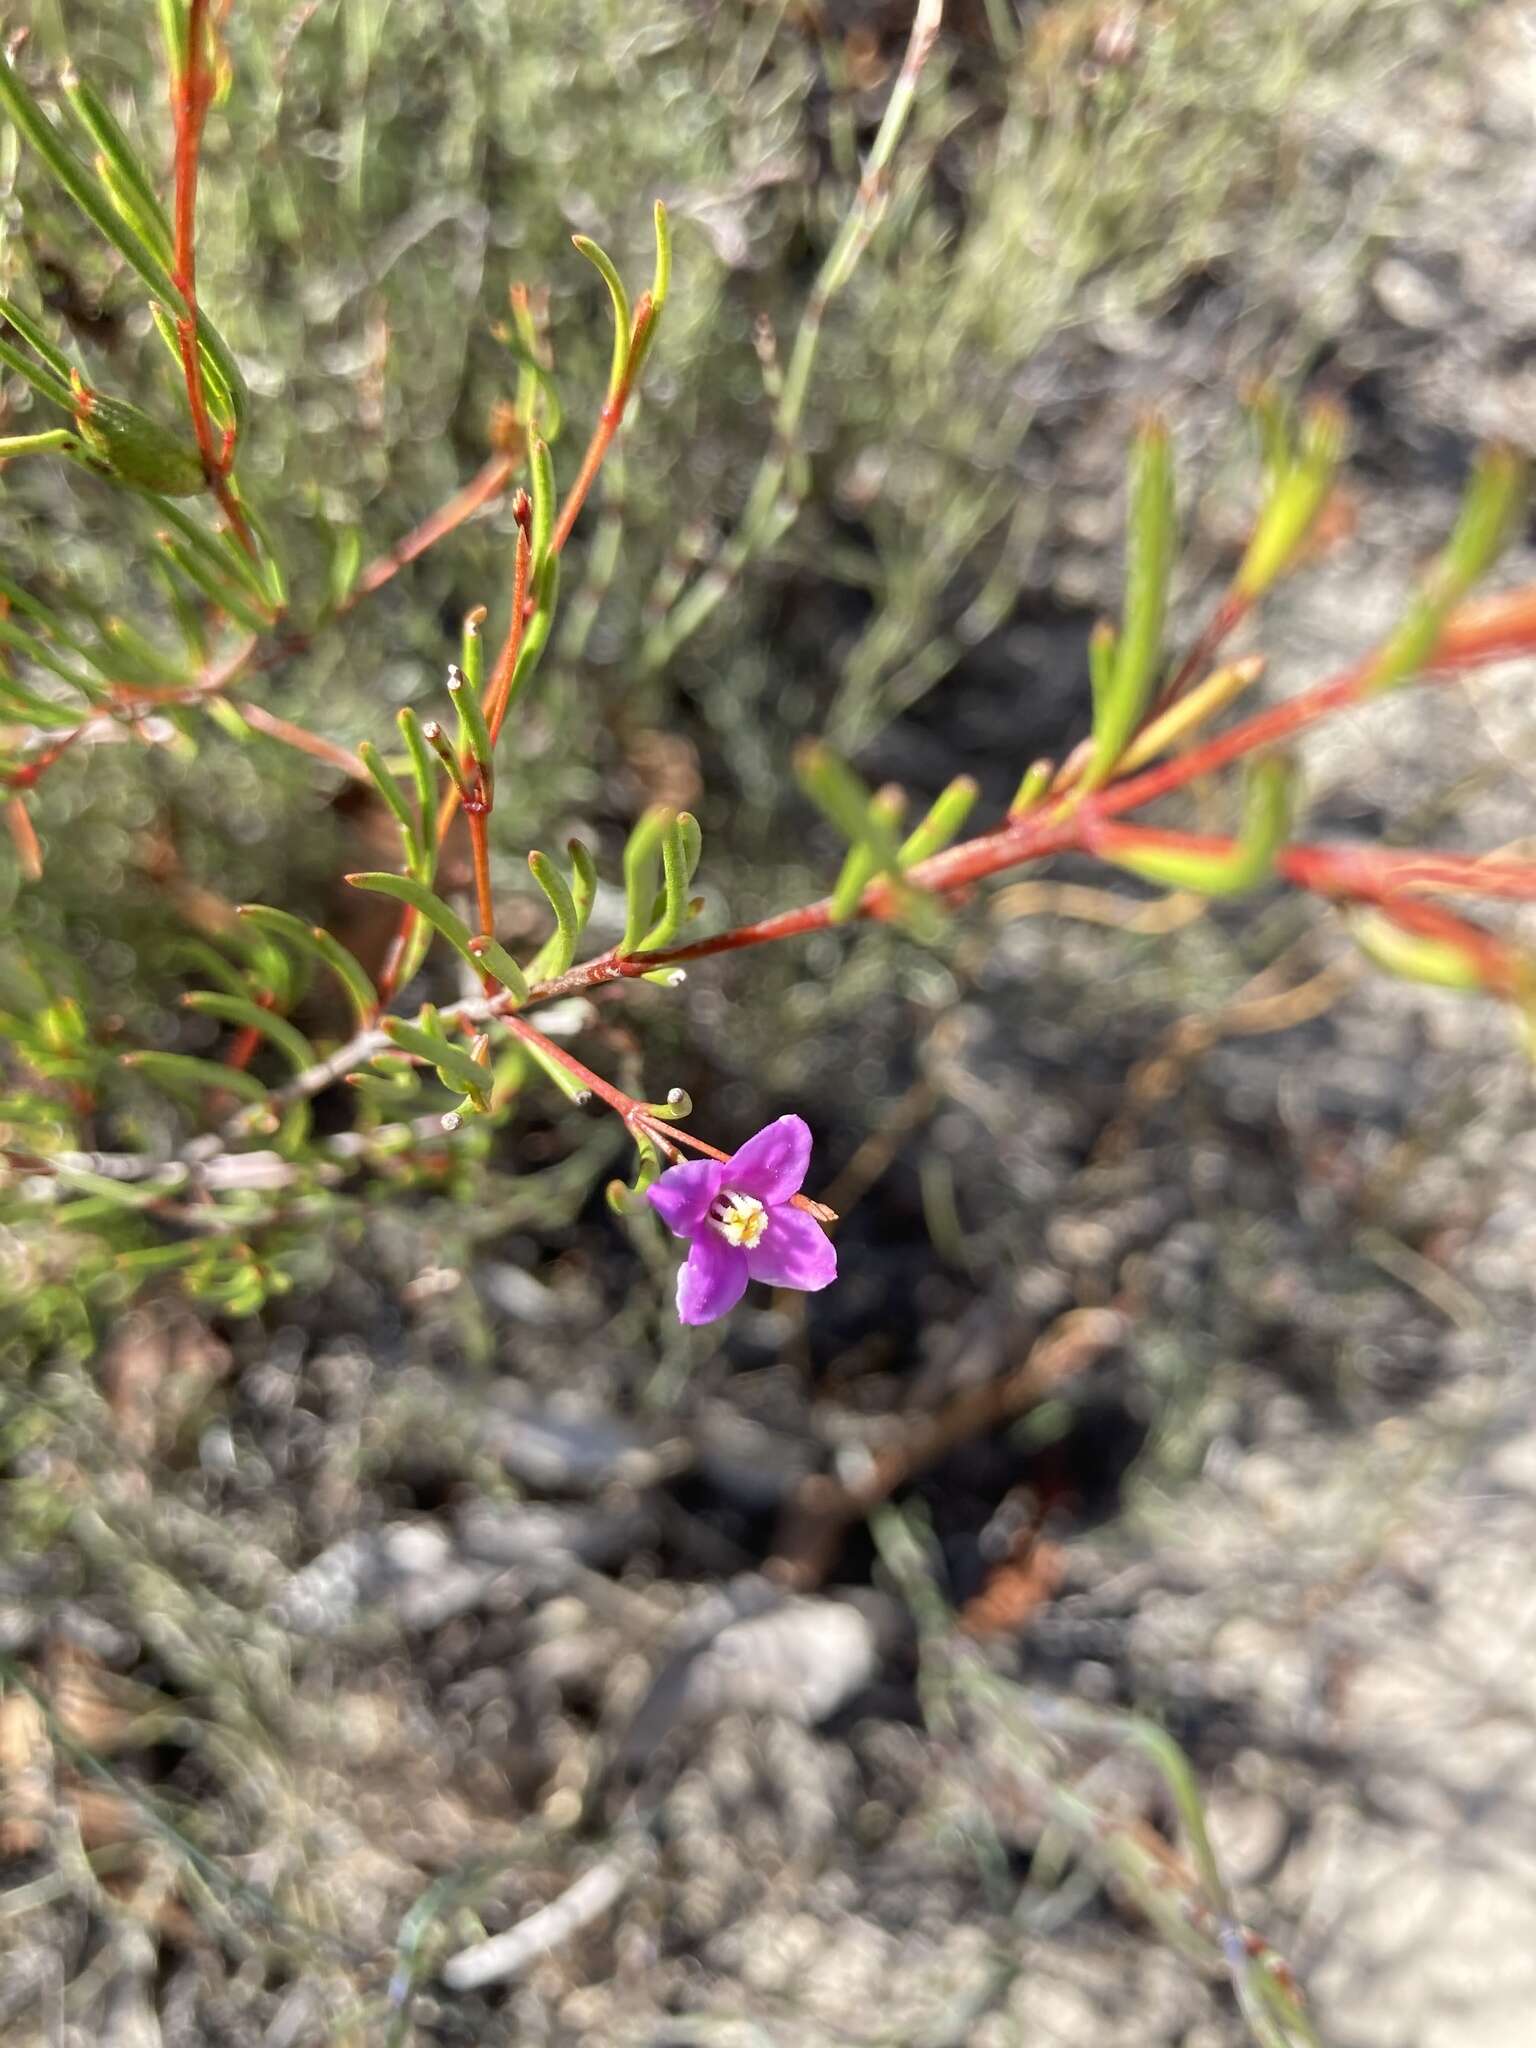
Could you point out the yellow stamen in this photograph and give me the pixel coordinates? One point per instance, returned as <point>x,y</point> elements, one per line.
<point>740,1219</point>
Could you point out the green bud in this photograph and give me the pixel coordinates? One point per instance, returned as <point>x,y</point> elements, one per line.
<point>135,449</point>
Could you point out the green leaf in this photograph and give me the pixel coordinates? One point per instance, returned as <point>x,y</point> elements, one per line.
<point>572,1089</point>
<point>497,961</point>
<point>22,642</point>
<point>560,950</point>
<point>86,191</point>
<point>183,1073</point>
<point>583,881</point>
<point>642,861</point>
<point>693,842</point>
<point>603,263</point>
<point>58,363</point>
<point>943,823</point>
<point>406,889</point>
<point>1268,807</point>
<point>474,733</point>
<point>860,866</point>
<point>1036,780</point>
<point>123,174</point>
<point>455,1069</point>
<point>209,961</point>
<point>248,1016</point>
<point>541,484</point>
<point>1410,956</point>
<point>472,647</point>
<point>346,565</point>
<point>223,556</point>
<point>32,607</point>
<point>197,572</point>
<point>1189,712</point>
<point>394,796</point>
<point>1298,491</point>
<point>1489,509</point>
<point>536,632</point>
<point>448,760</point>
<point>1120,698</point>
<point>676,876</point>
<point>641,339</point>
<point>426,785</point>
<point>43,381</point>
<point>314,939</point>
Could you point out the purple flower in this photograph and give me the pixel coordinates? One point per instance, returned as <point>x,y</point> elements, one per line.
<point>740,1215</point>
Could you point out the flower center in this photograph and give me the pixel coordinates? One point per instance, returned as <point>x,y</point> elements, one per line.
<point>740,1219</point>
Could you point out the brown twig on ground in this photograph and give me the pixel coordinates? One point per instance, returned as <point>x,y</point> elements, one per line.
<point>823,1509</point>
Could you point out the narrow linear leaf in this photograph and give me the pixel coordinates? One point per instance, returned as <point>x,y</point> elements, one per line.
<point>223,558</point>
<point>20,641</point>
<point>560,950</point>
<point>31,607</point>
<point>43,380</point>
<point>604,265</point>
<point>472,647</point>
<point>1185,716</point>
<point>943,823</point>
<point>860,866</point>
<point>642,860</point>
<point>182,1072</point>
<point>455,1069</point>
<point>86,191</point>
<point>1268,805</point>
<point>122,172</point>
<point>314,939</point>
<point>446,922</point>
<point>1412,957</point>
<point>675,880</point>
<point>231,602</point>
<point>1033,784</point>
<point>583,881</point>
<point>246,1015</point>
<point>394,796</point>
<point>1489,509</point>
<point>37,340</point>
<point>1121,700</point>
<point>572,1089</point>
<point>541,485</point>
<point>1298,491</point>
<point>474,733</point>
<point>497,961</point>
<point>693,842</point>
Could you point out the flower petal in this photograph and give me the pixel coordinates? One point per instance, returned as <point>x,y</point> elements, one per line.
<point>794,1251</point>
<point>681,1197</point>
<point>772,1165</point>
<point>712,1280</point>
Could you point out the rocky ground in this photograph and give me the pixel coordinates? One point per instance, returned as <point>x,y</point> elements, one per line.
<point>456,1596</point>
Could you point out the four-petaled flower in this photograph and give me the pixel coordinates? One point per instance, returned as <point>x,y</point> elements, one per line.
<point>741,1217</point>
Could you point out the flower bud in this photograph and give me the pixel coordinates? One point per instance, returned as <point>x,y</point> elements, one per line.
<point>135,449</point>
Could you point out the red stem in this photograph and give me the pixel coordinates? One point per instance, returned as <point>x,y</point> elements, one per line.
<point>192,93</point>
<point>1223,622</point>
<point>488,483</point>
<point>608,423</point>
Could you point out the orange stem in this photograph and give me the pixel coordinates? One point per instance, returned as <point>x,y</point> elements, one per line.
<point>191,96</point>
<point>488,483</point>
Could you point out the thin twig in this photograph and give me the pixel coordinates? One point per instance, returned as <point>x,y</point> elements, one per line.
<point>593,1893</point>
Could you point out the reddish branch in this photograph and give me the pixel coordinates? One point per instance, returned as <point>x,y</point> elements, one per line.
<point>609,420</point>
<point>191,95</point>
<point>487,484</point>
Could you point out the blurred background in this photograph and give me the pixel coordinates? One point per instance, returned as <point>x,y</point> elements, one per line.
<point>361,1628</point>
